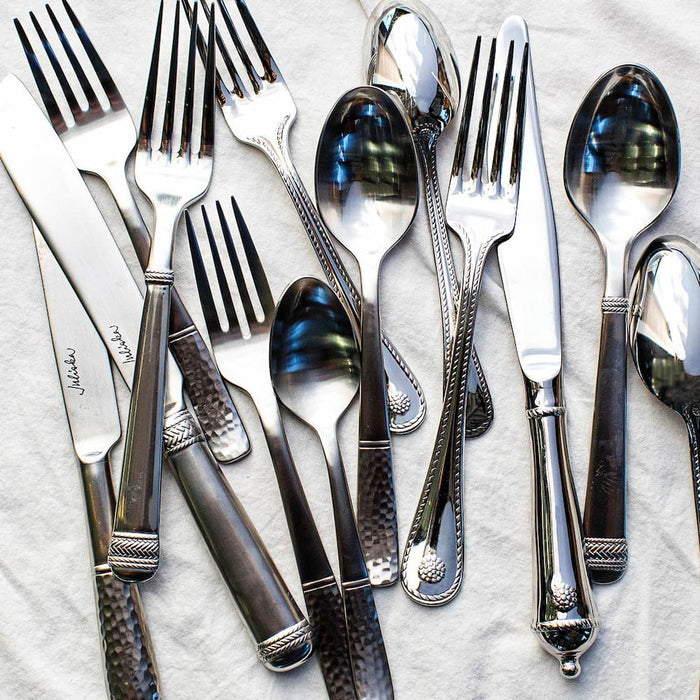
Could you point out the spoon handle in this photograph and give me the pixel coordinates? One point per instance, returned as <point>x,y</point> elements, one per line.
<point>405,393</point>
<point>479,404</point>
<point>692,420</point>
<point>604,513</point>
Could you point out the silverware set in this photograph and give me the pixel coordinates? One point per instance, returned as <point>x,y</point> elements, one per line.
<point>321,343</point>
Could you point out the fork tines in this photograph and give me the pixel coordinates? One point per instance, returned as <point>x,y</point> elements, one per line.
<point>498,126</point>
<point>271,72</point>
<point>149,103</point>
<point>247,253</point>
<point>105,79</point>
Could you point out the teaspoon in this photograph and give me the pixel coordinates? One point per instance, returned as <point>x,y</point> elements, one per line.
<point>620,171</point>
<point>315,367</point>
<point>664,334</point>
<point>367,191</point>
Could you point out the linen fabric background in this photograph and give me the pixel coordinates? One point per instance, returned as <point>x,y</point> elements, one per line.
<point>479,646</point>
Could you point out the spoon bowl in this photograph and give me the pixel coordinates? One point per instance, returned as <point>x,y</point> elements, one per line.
<point>664,333</point>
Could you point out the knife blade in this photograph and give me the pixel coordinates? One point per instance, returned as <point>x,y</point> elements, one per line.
<point>61,205</point>
<point>88,394</point>
<point>565,617</point>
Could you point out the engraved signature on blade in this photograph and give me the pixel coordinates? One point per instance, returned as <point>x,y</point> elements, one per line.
<point>122,347</point>
<point>72,374</point>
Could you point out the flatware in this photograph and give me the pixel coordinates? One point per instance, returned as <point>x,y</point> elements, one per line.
<point>242,354</point>
<point>481,208</point>
<point>100,140</point>
<point>663,334</point>
<point>411,55</point>
<point>171,180</point>
<point>565,618</point>
<point>60,203</point>
<point>315,367</point>
<point>91,407</point>
<point>621,169</point>
<point>260,111</point>
<point>367,192</point>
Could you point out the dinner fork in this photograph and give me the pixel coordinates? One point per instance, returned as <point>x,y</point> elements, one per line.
<point>100,140</point>
<point>481,208</point>
<point>171,181</point>
<point>242,354</point>
<point>260,111</point>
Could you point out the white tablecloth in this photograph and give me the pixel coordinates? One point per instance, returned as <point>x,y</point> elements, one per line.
<point>480,646</point>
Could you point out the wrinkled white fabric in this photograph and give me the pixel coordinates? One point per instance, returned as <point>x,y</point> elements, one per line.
<point>479,646</point>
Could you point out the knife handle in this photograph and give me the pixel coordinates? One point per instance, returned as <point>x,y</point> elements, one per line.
<point>134,549</point>
<point>281,633</point>
<point>129,661</point>
<point>604,512</point>
<point>565,617</point>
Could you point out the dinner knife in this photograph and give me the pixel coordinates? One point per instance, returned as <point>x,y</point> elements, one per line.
<point>64,211</point>
<point>91,406</point>
<point>565,616</point>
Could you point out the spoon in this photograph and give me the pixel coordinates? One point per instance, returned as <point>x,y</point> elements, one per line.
<point>315,367</point>
<point>411,55</point>
<point>367,191</point>
<point>620,172</point>
<point>664,334</point>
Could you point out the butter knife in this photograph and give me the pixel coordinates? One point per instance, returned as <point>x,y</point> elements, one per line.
<point>61,205</point>
<point>88,393</point>
<point>565,617</point>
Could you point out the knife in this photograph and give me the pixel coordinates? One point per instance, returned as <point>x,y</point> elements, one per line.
<point>64,211</point>
<point>565,616</point>
<point>91,406</point>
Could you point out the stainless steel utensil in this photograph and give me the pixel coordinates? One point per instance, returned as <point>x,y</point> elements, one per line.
<point>664,334</point>
<point>91,406</point>
<point>481,209</point>
<point>367,192</point>
<point>171,181</point>
<point>564,618</point>
<point>242,354</point>
<point>59,201</point>
<point>100,141</point>
<point>621,169</point>
<point>315,367</point>
<point>260,111</point>
<point>410,55</point>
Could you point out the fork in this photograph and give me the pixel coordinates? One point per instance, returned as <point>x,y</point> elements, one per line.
<point>242,354</point>
<point>171,181</point>
<point>100,141</point>
<point>481,208</point>
<point>260,114</point>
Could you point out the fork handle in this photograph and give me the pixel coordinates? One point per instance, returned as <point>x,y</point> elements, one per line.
<point>134,549</point>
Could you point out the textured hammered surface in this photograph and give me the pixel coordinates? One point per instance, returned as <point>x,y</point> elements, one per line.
<point>376,515</point>
<point>129,660</point>
<point>367,651</point>
<point>212,404</point>
<point>325,610</point>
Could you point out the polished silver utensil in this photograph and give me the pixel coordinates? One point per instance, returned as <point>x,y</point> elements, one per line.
<point>664,334</point>
<point>242,353</point>
<point>481,208</point>
<point>91,406</point>
<point>315,367</point>
<point>565,618</point>
<point>171,180</point>
<point>59,201</point>
<point>367,192</point>
<point>100,140</point>
<point>260,111</point>
<point>411,55</point>
<point>621,169</point>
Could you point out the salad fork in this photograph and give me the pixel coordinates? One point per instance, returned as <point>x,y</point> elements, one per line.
<point>242,354</point>
<point>171,181</point>
<point>260,110</point>
<point>100,141</point>
<point>481,208</point>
